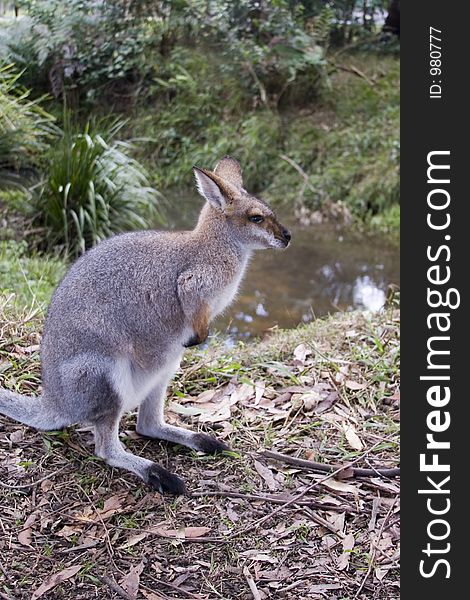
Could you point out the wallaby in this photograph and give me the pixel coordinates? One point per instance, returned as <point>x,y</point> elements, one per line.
<point>120,319</point>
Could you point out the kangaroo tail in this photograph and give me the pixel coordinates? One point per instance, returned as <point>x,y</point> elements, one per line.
<point>29,410</point>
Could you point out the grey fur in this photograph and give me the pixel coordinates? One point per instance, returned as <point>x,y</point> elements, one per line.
<point>118,323</point>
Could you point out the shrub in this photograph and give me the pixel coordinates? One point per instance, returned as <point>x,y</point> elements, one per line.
<point>349,150</point>
<point>81,46</point>
<point>25,130</point>
<point>93,189</point>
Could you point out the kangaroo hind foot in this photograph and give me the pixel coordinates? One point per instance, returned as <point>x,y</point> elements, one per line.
<point>109,448</point>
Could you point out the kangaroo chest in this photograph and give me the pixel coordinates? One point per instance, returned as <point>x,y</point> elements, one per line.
<point>226,295</point>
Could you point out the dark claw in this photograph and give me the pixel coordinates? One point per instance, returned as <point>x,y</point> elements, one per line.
<point>208,444</point>
<point>165,482</point>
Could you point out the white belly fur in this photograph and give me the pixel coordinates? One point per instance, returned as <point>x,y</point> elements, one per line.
<point>133,388</point>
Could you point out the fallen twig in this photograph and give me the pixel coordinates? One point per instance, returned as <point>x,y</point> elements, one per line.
<point>374,547</point>
<point>355,71</point>
<point>5,573</point>
<point>272,500</point>
<point>115,587</point>
<point>172,586</point>
<point>323,522</point>
<point>324,468</point>
<point>262,89</point>
<point>201,539</point>
<point>299,170</point>
<point>251,583</point>
<point>299,496</point>
<point>107,539</point>
<point>21,486</point>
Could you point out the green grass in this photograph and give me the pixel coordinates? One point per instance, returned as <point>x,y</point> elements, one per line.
<point>29,279</point>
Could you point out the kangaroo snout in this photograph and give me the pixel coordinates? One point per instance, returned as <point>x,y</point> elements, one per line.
<point>286,236</point>
<point>282,237</point>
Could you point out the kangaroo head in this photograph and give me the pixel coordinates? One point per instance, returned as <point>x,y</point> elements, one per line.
<point>254,223</point>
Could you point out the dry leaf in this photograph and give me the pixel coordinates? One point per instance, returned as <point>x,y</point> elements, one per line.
<point>310,400</point>
<point>336,520</point>
<point>150,595</point>
<point>326,403</point>
<point>352,437</point>
<point>17,436</point>
<point>345,473</point>
<point>380,573</point>
<point>68,532</point>
<point>354,385</point>
<point>348,545</point>
<point>112,505</point>
<point>132,541</point>
<point>130,582</point>
<point>301,352</point>
<point>266,403</point>
<point>341,374</point>
<point>385,486</point>
<point>258,556</point>
<point>214,413</point>
<point>46,485</point>
<point>242,393</point>
<point>184,532</point>
<point>195,532</point>
<point>293,389</point>
<point>260,386</point>
<point>26,349</point>
<point>374,513</point>
<point>208,412</point>
<point>322,587</point>
<point>266,474</point>
<point>340,486</point>
<point>205,396</point>
<point>54,580</point>
<point>31,349</point>
<point>185,411</point>
<point>24,536</point>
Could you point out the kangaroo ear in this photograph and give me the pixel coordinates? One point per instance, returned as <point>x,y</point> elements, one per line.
<point>213,188</point>
<point>229,169</point>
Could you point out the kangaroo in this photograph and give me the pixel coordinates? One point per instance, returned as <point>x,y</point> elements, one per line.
<point>119,322</point>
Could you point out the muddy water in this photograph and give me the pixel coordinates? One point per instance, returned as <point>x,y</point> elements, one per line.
<point>325,269</point>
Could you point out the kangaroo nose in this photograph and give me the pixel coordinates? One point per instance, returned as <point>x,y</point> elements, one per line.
<point>286,235</point>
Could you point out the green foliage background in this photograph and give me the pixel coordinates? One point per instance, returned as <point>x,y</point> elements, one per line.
<point>304,94</point>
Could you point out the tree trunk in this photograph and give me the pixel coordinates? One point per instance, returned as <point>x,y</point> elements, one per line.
<point>392,22</point>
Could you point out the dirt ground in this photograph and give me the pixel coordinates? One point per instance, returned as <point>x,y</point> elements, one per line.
<point>254,524</point>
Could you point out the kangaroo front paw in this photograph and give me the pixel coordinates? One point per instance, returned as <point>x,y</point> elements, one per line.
<point>195,340</point>
<point>199,324</point>
<point>165,482</point>
<point>208,444</point>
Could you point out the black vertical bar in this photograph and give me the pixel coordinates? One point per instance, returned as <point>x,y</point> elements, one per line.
<point>434,119</point>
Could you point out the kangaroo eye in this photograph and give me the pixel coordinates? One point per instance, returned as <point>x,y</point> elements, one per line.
<point>256,219</point>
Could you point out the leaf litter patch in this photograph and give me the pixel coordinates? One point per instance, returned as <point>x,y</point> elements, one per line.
<point>253,526</point>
